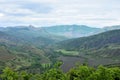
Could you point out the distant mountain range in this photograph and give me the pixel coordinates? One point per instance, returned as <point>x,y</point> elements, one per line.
<point>42,36</point>
<point>69,31</point>
<point>74,31</point>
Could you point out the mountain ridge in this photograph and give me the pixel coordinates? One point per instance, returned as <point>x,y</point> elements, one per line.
<point>70,31</point>
<point>111,36</point>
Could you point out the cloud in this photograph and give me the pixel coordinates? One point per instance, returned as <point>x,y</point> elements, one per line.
<point>97,13</point>
<point>37,7</point>
<point>1,14</point>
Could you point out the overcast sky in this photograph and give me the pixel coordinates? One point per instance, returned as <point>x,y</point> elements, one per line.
<point>95,13</point>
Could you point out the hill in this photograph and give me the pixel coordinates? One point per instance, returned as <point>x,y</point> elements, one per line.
<point>23,47</point>
<point>30,35</point>
<point>72,31</point>
<point>100,49</point>
<point>6,39</point>
<point>111,27</point>
<point>93,42</point>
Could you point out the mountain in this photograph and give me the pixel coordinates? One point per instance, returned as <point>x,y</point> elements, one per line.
<point>99,49</point>
<point>75,31</point>
<point>93,42</point>
<point>6,39</point>
<point>111,27</point>
<point>21,47</point>
<point>56,32</point>
<point>31,35</point>
<point>72,31</point>
<point>17,53</point>
<point>103,45</point>
<point>25,47</point>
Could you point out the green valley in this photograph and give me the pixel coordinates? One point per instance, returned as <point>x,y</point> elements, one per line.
<point>36,50</point>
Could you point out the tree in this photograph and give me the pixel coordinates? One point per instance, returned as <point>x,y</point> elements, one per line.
<point>24,76</point>
<point>54,73</point>
<point>9,74</point>
<point>102,73</point>
<point>80,73</point>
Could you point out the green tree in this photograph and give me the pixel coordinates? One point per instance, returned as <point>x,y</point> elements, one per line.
<point>9,74</point>
<point>36,77</point>
<point>24,76</point>
<point>55,73</point>
<point>115,72</point>
<point>102,73</point>
<point>80,73</point>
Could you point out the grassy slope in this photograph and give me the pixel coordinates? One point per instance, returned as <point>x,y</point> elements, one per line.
<point>96,41</point>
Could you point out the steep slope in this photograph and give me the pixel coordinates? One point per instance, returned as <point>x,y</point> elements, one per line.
<point>37,36</point>
<point>21,56</point>
<point>100,49</point>
<point>19,48</point>
<point>7,39</point>
<point>103,47</point>
<point>93,42</point>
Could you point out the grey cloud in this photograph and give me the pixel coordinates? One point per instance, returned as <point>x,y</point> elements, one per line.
<point>36,7</point>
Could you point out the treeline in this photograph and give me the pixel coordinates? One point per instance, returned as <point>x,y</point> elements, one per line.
<point>80,72</point>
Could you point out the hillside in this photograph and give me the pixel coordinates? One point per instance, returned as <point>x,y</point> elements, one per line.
<point>31,35</point>
<point>6,39</point>
<point>100,49</point>
<point>92,42</point>
<point>23,47</point>
<point>72,31</point>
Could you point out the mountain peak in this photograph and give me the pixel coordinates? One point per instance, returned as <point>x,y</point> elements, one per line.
<point>31,26</point>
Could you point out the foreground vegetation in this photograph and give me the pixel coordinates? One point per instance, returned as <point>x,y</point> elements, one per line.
<point>80,72</point>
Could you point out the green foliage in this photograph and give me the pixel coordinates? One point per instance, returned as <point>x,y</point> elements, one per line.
<point>81,72</point>
<point>9,74</point>
<point>54,74</point>
<point>24,76</point>
<point>101,73</point>
<point>67,52</point>
<point>57,64</point>
<point>115,72</point>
